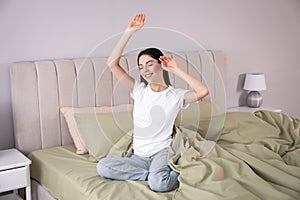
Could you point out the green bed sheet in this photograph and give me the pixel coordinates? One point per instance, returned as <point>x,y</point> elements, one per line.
<point>68,176</point>
<point>257,156</point>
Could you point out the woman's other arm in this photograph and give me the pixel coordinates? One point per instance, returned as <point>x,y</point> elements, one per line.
<point>113,61</point>
<point>199,89</point>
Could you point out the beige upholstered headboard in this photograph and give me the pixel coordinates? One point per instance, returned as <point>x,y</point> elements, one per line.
<point>40,88</point>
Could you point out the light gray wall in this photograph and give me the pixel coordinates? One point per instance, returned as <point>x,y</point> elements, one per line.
<point>256,35</point>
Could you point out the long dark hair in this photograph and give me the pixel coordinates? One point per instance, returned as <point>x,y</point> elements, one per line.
<point>154,53</point>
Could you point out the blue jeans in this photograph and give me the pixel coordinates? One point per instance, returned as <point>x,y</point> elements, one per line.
<point>161,178</point>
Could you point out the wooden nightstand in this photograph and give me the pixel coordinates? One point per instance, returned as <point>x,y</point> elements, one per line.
<point>248,109</point>
<point>14,173</point>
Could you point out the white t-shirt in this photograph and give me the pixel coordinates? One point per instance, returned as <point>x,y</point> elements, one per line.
<point>154,114</point>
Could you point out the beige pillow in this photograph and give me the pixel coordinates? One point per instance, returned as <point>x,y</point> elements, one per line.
<point>69,114</point>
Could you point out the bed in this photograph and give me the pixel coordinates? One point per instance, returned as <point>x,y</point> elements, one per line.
<point>219,155</point>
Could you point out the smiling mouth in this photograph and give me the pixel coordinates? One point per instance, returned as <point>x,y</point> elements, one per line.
<point>148,75</point>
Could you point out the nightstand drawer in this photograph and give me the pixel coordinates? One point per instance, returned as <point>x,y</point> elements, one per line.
<point>12,179</point>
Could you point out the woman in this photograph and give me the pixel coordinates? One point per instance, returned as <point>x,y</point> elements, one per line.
<point>156,105</point>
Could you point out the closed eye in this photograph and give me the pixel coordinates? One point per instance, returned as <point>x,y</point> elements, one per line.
<point>141,67</point>
<point>149,63</point>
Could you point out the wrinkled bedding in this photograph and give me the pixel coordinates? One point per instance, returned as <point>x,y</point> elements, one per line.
<point>257,156</point>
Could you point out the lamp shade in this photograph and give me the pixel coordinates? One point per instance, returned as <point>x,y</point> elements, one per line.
<point>255,82</point>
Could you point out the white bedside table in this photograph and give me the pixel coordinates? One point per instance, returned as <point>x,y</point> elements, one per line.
<point>248,109</point>
<point>14,173</point>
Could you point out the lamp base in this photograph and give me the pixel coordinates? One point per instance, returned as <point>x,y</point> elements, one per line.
<point>254,99</point>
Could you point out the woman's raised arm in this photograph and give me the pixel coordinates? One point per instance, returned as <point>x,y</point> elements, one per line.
<point>113,61</point>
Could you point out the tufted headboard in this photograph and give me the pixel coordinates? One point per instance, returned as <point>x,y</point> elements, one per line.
<point>41,88</point>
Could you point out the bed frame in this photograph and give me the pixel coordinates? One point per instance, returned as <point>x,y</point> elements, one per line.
<point>41,88</point>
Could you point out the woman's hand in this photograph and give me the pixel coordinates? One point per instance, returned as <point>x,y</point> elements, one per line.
<point>168,63</point>
<point>136,23</point>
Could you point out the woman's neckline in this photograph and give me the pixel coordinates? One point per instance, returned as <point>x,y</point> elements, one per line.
<point>161,88</point>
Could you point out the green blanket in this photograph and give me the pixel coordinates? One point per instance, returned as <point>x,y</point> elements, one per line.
<point>257,156</point>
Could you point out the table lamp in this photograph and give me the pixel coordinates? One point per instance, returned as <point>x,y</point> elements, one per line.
<point>254,82</point>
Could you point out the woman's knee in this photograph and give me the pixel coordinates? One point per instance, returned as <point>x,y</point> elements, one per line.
<point>163,183</point>
<point>107,167</point>
<point>102,168</point>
